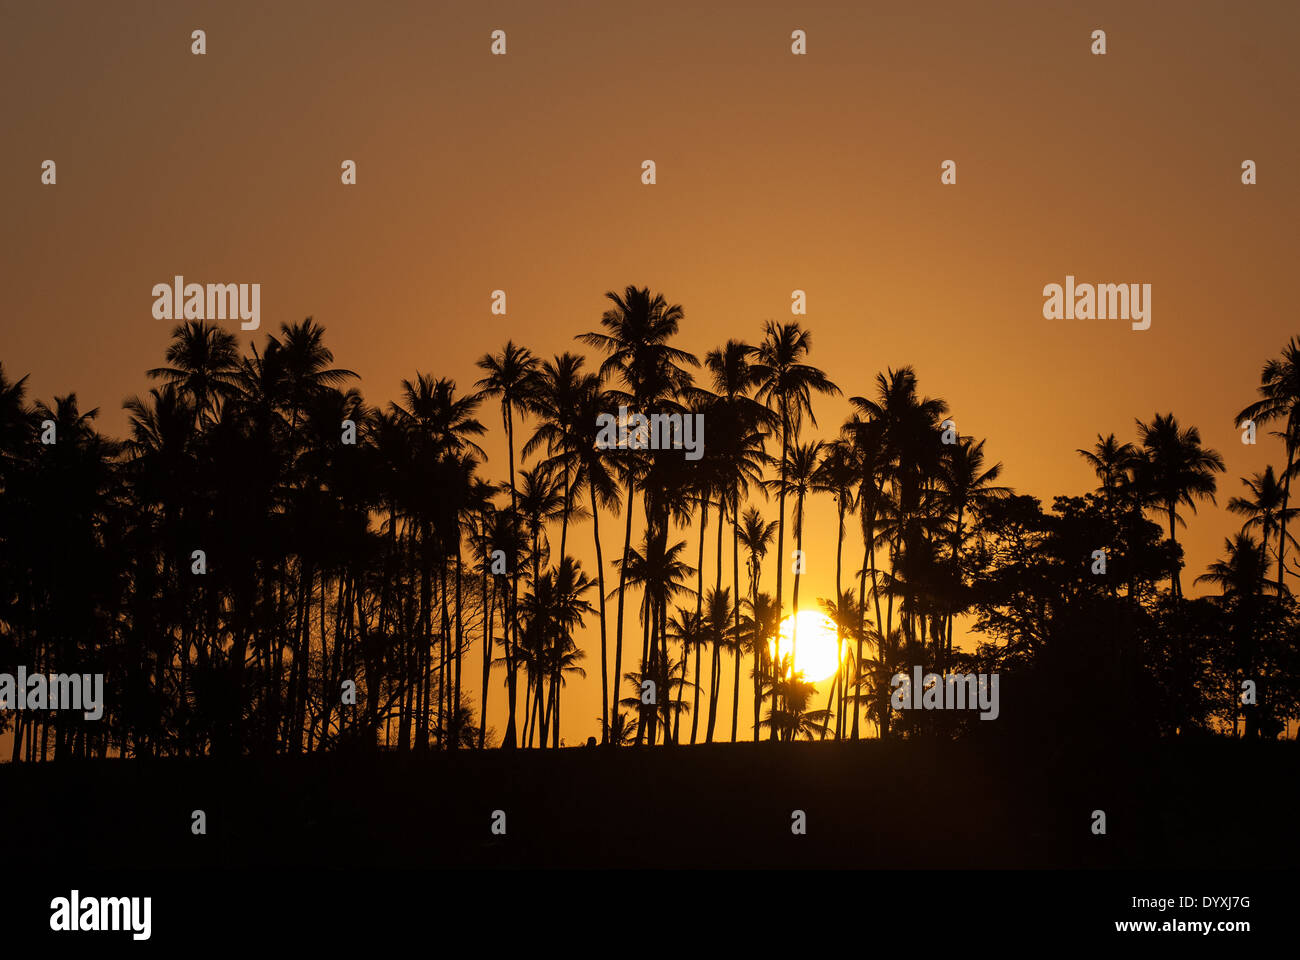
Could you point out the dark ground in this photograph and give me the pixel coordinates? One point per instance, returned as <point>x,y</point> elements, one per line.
<point>1173,805</point>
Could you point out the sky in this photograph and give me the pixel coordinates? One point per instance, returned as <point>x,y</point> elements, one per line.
<point>775,172</point>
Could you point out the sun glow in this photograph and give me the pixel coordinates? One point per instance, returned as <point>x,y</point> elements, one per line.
<point>815,650</point>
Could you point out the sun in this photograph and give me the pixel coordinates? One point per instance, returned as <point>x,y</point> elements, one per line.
<point>816,652</point>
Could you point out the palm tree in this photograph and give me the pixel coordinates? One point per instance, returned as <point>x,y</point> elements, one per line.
<point>739,458</point>
<point>1264,510</point>
<point>964,485</point>
<point>1241,577</point>
<point>788,383</point>
<point>848,622</point>
<point>482,519</point>
<point>869,459</point>
<point>836,475</point>
<point>1113,464</point>
<point>1175,469</point>
<point>511,378</point>
<point>798,475</point>
<point>540,502</point>
<point>594,471</point>
<point>660,572</point>
<point>637,330</point>
<point>688,628</point>
<point>793,719</point>
<point>718,611</point>
<point>555,608</point>
<point>203,363</point>
<point>561,387</point>
<point>306,367</point>
<point>756,536</point>
<point>1242,572</point>
<point>910,435</point>
<point>1279,391</point>
<point>620,731</point>
<point>442,425</point>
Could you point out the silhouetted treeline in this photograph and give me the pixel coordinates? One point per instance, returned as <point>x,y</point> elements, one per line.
<point>269,564</point>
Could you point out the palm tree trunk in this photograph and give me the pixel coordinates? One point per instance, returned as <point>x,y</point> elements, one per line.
<point>460,639</point>
<point>1175,580</point>
<point>699,606</point>
<point>488,609</point>
<point>604,652</point>
<point>735,595</point>
<point>754,646</point>
<point>1286,496</point>
<point>868,557</point>
<point>715,665</point>
<point>839,619</point>
<point>512,627</point>
<point>780,562</point>
<point>622,585</point>
<point>645,646</point>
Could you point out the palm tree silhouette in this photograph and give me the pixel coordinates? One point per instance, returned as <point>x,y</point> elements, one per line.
<point>203,364</point>
<point>1113,463</point>
<point>964,485</point>
<point>798,479</point>
<point>739,456</point>
<point>1279,391</point>
<point>372,554</point>
<point>788,383</point>
<point>592,469</point>
<point>638,328</point>
<point>1175,469</point>
<point>756,535</point>
<point>836,474</point>
<point>511,378</point>
<point>1264,510</point>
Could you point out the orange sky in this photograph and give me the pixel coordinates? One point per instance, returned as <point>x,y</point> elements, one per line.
<point>775,172</point>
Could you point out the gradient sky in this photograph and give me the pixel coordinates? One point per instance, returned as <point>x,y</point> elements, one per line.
<point>775,172</point>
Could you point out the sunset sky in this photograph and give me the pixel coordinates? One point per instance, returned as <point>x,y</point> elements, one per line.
<point>775,172</point>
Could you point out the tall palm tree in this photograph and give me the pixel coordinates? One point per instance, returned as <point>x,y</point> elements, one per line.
<point>787,383</point>
<point>798,479</point>
<point>836,474</point>
<point>442,425</point>
<point>870,460</point>
<point>1113,464</point>
<point>203,362</point>
<point>740,459</point>
<point>688,628</point>
<point>595,472</point>
<point>482,521</point>
<point>1279,392</point>
<point>964,485</point>
<point>1264,510</point>
<point>756,536</point>
<point>718,611</point>
<point>561,387</point>
<point>512,379</point>
<point>637,329</point>
<point>1242,572</point>
<point>1175,469</point>
<point>660,573</point>
<point>844,615</point>
<point>555,608</point>
<point>541,502</point>
<point>901,450</point>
